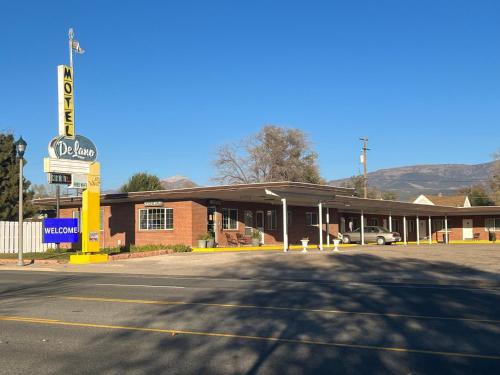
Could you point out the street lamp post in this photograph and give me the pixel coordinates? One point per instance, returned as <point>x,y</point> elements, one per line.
<point>20,148</point>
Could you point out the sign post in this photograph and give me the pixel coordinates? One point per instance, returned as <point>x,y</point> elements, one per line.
<point>73,161</point>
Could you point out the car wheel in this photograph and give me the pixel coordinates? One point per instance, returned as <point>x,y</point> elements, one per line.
<point>346,239</point>
<point>380,241</point>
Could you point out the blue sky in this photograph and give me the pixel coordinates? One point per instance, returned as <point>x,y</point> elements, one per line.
<point>163,83</point>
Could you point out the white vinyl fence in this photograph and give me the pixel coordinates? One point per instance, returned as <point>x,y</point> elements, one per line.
<point>32,237</point>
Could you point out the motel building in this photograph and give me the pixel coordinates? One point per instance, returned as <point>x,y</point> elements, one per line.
<point>283,212</point>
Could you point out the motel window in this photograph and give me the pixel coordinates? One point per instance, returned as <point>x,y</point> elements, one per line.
<point>373,222</point>
<point>312,218</point>
<point>156,218</point>
<point>492,224</point>
<point>411,226</point>
<point>229,218</point>
<point>437,225</point>
<point>271,219</point>
<point>248,223</point>
<point>395,225</point>
<point>289,218</point>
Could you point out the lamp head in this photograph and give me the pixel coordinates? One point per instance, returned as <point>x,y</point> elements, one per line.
<point>20,147</point>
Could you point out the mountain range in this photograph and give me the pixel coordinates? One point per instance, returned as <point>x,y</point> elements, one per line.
<point>410,181</point>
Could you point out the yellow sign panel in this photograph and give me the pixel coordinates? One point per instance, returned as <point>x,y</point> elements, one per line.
<point>91,211</point>
<point>66,101</point>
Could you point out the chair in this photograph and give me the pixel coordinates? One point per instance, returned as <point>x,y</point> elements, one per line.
<point>241,239</point>
<point>230,240</point>
<point>477,236</point>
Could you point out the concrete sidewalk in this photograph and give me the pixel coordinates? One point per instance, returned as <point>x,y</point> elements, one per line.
<point>437,264</point>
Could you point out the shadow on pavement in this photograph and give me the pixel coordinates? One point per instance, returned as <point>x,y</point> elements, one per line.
<point>120,351</point>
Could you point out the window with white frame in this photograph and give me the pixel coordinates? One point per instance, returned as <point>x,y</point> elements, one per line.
<point>492,224</point>
<point>229,218</point>
<point>156,218</point>
<point>312,218</point>
<point>271,219</point>
<point>248,223</point>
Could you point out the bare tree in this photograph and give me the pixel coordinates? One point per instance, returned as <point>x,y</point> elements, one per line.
<point>273,154</point>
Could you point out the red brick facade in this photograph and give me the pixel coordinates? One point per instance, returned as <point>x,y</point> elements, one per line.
<point>121,224</point>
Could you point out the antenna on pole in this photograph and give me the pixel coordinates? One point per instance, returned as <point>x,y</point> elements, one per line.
<point>363,161</point>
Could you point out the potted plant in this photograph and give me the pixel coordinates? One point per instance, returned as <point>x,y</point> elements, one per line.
<point>210,239</point>
<point>202,241</point>
<point>336,242</point>
<point>305,242</point>
<point>256,238</point>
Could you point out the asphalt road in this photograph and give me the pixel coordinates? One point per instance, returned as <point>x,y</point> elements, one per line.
<point>80,323</point>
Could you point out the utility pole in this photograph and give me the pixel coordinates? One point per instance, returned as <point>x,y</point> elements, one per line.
<point>363,160</point>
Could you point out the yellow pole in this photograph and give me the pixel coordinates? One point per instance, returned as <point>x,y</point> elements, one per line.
<point>91,219</point>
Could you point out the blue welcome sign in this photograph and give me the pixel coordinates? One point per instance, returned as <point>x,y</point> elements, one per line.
<point>60,230</point>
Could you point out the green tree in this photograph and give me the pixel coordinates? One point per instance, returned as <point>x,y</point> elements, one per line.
<point>9,182</point>
<point>389,196</point>
<point>357,183</point>
<point>478,195</point>
<point>142,181</point>
<point>274,154</point>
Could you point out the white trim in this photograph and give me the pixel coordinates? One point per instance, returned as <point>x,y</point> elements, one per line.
<point>237,222</point>
<point>147,209</point>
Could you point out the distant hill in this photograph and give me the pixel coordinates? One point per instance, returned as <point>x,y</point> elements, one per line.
<point>409,182</point>
<point>177,182</point>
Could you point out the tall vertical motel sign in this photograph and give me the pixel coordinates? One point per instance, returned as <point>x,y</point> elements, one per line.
<point>76,155</point>
<point>65,101</point>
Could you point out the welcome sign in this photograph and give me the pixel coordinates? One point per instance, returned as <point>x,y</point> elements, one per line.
<point>60,230</point>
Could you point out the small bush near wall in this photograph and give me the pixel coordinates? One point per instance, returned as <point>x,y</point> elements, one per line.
<point>179,248</point>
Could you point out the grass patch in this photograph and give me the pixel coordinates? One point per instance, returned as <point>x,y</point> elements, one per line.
<point>64,254</point>
<point>61,254</point>
<point>178,248</point>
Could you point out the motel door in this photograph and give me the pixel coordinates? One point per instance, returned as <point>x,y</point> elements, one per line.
<point>467,229</point>
<point>211,220</point>
<point>259,224</point>
<point>422,228</point>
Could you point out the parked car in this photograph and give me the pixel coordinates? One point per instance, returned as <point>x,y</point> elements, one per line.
<point>379,235</point>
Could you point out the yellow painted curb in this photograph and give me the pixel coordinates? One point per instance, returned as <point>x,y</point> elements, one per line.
<point>88,258</point>
<point>261,248</point>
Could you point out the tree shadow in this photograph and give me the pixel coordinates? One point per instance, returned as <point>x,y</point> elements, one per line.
<point>280,299</point>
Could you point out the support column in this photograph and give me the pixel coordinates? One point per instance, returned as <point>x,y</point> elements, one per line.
<point>390,222</point>
<point>216,227</point>
<point>417,224</point>
<point>362,228</point>
<point>405,238</point>
<point>320,225</point>
<point>430,231</point>
<point>328,227</point>
<point>285,225</point>
<point>446,229</point>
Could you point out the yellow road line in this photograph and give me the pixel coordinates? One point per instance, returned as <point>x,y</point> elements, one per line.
<point>277,308</point>
<point>248,337</point>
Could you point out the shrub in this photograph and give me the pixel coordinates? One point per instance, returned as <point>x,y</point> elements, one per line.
<point>180,248</point>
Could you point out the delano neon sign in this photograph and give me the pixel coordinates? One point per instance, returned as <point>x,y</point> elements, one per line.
<point>66,101</point>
